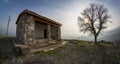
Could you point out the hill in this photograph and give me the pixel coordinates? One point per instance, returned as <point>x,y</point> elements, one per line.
<point>1,35</point>
<point>111,35</point>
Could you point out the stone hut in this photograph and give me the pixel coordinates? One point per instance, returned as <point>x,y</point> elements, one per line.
<point>34,30</point>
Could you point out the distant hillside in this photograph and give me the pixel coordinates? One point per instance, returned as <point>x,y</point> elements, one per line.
<point>1,35</point>
<point>111,35</point>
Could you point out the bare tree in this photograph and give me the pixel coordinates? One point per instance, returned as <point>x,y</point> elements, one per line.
<point>93,20</point>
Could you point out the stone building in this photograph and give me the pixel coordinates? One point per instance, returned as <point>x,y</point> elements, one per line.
<point>34,30</point>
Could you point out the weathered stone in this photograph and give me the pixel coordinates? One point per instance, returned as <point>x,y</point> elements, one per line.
<point>29,23</point>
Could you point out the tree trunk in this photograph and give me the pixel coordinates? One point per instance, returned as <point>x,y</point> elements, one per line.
<point>95,39</point>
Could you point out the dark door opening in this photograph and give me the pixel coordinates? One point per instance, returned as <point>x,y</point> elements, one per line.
<point>45,33</point>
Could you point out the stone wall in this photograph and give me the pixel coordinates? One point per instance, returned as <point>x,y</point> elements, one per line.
<point>25,29</point>
<point>29,30</point>
<point>20,30</point>
<point>54,32</point>
<point>39,30</point>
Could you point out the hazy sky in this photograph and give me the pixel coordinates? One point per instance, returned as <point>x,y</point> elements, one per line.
<point>65,12</point>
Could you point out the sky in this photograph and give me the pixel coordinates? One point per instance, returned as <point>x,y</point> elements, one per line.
<point>65,12</point>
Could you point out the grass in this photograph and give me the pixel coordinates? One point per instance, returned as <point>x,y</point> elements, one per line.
<point>57,53</point>
<point>61,52</point>
<point>75,52</point>
<point>5,42</point>
<point>2,57</point>
<point>86,52</point>
<point>107,45</point>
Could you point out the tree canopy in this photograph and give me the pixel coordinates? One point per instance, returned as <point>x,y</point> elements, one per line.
<point>94,19</point>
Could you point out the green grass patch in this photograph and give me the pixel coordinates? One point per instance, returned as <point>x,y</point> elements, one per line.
<point>107,45</point>
<point>2,58</point>
<point>86,45</point>
<point>88,52</point>
<point>55,53</point>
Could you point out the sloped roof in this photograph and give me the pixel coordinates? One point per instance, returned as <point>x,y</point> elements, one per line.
<point>37,15</point>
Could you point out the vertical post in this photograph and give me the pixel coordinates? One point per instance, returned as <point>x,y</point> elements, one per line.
<point>49,33</point>
<point>59,33</point>
<point>8,25</point>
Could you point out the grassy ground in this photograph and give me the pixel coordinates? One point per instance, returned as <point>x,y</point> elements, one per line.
<point>74,52</point>
<point>79,52</point>
<point>6,48</point>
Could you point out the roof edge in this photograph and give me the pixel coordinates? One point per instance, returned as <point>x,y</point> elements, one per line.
<point>37,15</point>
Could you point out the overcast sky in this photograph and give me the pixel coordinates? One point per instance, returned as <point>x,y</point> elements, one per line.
<point>65,12</point>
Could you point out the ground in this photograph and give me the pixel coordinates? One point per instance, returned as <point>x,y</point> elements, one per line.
<point>75,52</point>
<point>79,52</point>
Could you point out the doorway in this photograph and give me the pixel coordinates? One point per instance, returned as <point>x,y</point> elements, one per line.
<point>45,33</point>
